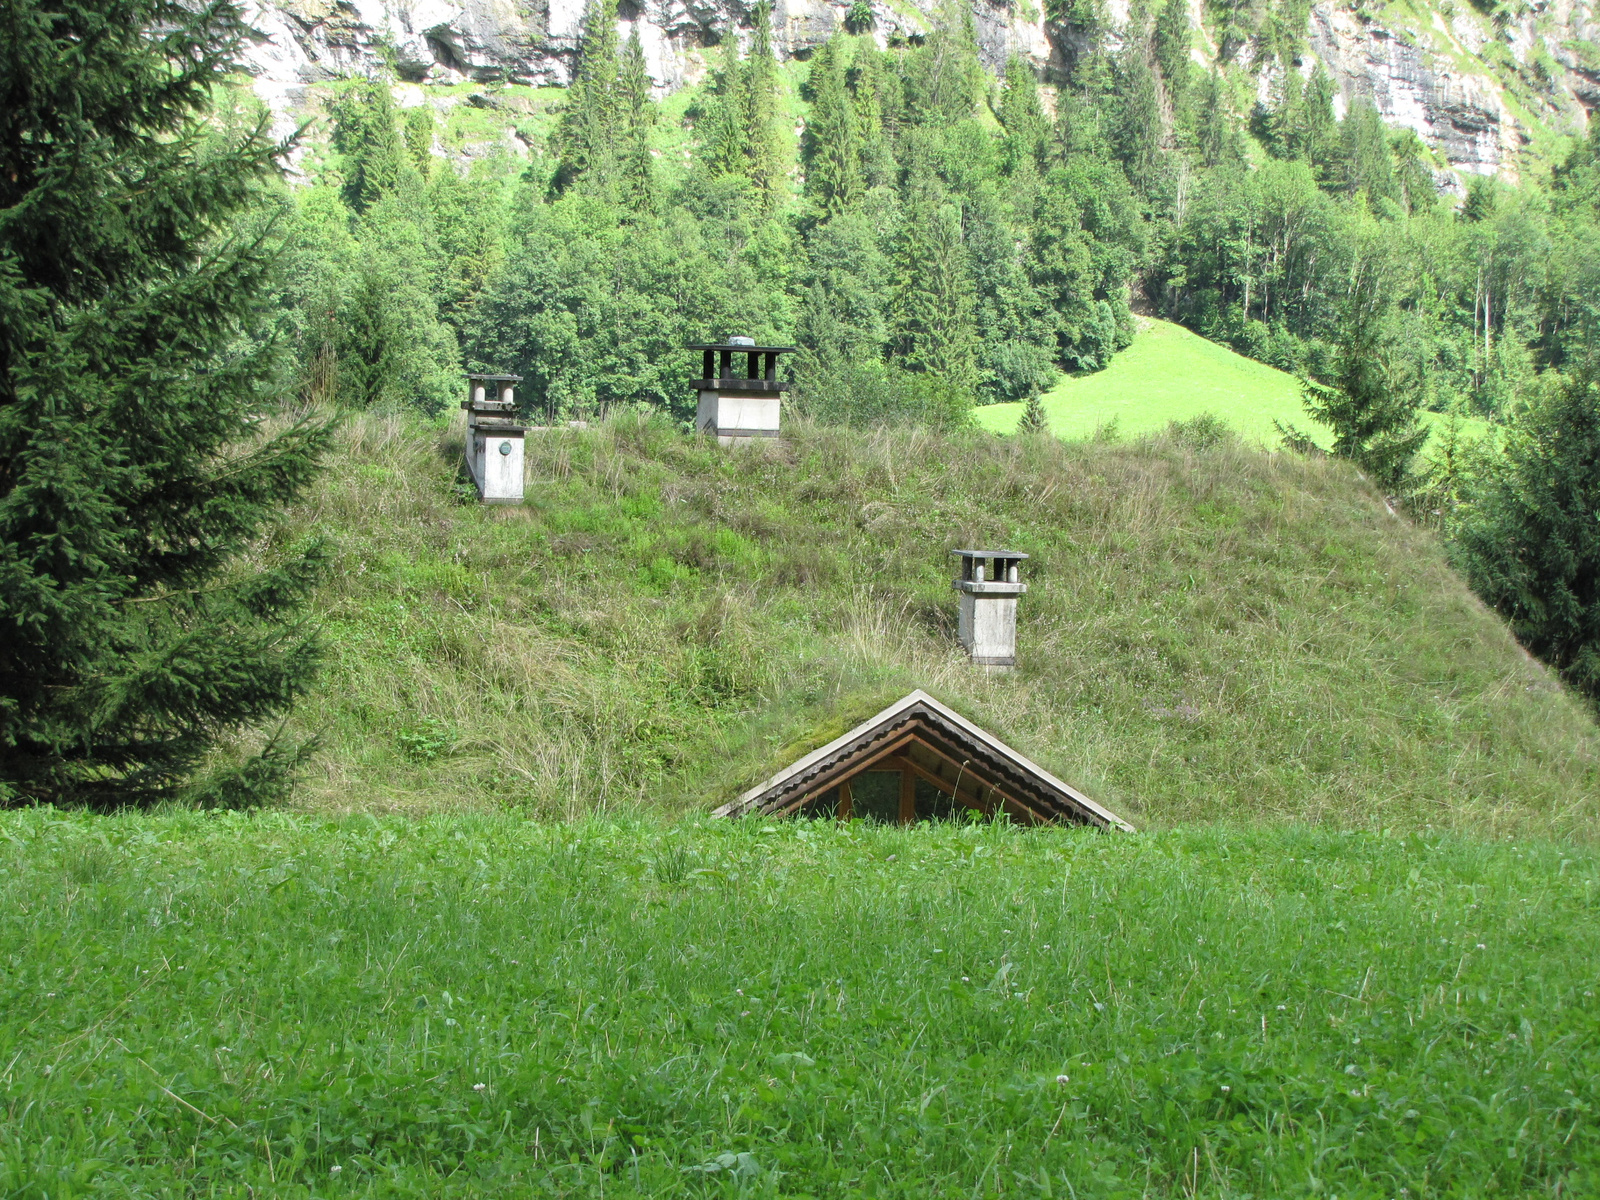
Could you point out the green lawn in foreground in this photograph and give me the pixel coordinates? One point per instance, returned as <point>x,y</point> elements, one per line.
<point>1170,374</point>
<point>476,1005</point>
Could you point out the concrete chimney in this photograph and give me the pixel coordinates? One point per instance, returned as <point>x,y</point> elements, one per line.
<point>989,585</point>
<point>740,392</point>
<point>494,438</point>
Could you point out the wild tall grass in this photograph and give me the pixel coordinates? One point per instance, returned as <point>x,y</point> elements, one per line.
<point>1211,630</point>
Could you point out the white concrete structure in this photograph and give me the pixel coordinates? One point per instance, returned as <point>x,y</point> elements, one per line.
<point>738,408</point>
<point>989,586</point>
<point>494,450</point>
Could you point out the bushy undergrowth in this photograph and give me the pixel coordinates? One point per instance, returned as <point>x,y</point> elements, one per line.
<point>286,1006</point>
<point>1209,632</point>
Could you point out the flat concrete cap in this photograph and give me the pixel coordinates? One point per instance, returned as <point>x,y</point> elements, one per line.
<point>495,378</point>
<point>989,554</point>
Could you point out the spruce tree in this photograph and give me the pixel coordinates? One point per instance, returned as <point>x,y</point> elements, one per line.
<point>932,308</point>
<point>766,150</point>
<point>639,116</point>
<point>1173,40</point>
<point>874,92</point>
<point>1033,419</point>
<point>420,127</point>
<point>1528,536</point>
<point>146,621</point>
<point>1283,122</point>
<point>1369,403</point>
<point>369,342</point>
<point>1027,133</point>
<point>365,133</point>
<point>722,148</point>
<point>587,134</point>
<point>1318,138</point>
<point>1413,177</point>
<point>1217,136</point>
<point>1139,119</point>
<point>944,76</point>
<point>1364,143</point>
<point>832,147</point>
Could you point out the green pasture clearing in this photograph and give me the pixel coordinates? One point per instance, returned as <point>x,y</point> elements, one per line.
<point>1210,631</point>
<point>475,1005</point>
<point>1170,374</point>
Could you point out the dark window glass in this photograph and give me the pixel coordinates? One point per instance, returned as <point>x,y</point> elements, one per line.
<point>934,805</point>
<point>875,796</point>
<point>825,805</point>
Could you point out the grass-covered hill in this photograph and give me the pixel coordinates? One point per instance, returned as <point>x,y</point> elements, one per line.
<point>1169,374</point>
<point>1211,631</point>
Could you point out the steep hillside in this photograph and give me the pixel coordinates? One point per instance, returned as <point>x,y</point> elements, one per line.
<point>1481,89</point>
<point>1166,374</point>
<point>1209,633</point>
<point>1170,374</point>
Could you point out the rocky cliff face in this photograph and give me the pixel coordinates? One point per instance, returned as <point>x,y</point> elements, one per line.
<point>1477,92</point>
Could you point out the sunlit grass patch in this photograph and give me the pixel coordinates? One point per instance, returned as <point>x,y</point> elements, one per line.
<point>472,1005</point>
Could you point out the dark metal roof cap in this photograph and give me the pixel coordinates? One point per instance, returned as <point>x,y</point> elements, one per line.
<point>742,348</point>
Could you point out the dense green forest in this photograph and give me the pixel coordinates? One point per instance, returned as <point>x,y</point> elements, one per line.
<point>930,234</point>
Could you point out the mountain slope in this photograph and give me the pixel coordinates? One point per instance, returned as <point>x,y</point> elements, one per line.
<point>1218,633</point>
<point>1171,374</point>
<point>1490,93</point>
<point>1166,374</point>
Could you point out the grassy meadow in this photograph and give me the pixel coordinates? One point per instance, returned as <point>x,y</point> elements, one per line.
<point>1169,374</point>
<point>1211,631</point>
<point>475,1004</point>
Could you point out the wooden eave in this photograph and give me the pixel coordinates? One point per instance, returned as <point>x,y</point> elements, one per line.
<point>922,736</point>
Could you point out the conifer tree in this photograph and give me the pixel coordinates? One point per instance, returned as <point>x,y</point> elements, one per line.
<point>1283,122</point>
<point>369,342</point>
<point>945,77</point>
<point>1413,178</point>
<point>1217,136</point>
<point>1027,133</point>
<point>1369,403</point>
<point>420,127</point>
<point>365,132</point>
<point>1368,169</point>
<point>765,148</point>
<point>135,470</point>
<point>877,114</point>
<point>1081,125</point>
<point>722,147</point>
<point>1528,535</point>
<point>1139,118</point>
<point>1033,419</point>
<point>639,116</point>
<point>587,135</point>
<point>1318,138</point>
<point>1173,40</point>
<point>832,146</point>
<point>932,308</point>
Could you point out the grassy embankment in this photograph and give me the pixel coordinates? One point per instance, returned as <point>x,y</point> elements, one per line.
<point>476,1005</point>
<point>1210,632</point>
<point>1170,374</point>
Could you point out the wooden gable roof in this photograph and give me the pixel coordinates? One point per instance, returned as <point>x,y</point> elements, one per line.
<point>921,737</point>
